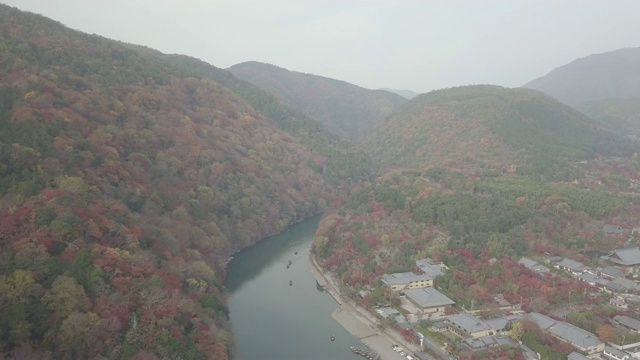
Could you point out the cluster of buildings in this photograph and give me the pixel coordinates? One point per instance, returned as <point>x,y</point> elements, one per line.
<point>423,300</point>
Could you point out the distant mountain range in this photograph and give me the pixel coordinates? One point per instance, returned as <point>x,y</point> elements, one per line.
<point>488,126</point>
<point>345,109</point>
<point>614,74</point>
<point>603,86</point>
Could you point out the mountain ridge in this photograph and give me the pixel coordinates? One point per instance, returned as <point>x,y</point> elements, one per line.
<point>345,109</point>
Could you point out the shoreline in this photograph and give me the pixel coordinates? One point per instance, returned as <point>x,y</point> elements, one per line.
<point>358,322</point>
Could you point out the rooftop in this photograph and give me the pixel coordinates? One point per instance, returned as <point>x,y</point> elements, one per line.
<point>542,321</point>
<point>612,229</point>
<point>612,271</point>
<point>533,265</point>
<point>574,335</point>
<point>403,278</point>
<point>627,321</point>
<point>573,265</point>
<point>468,322</point>
<point>615,352</point>
<point>428,268</point>
<point>577,356</point>
<point>627,257</point>
<point>428,297</point>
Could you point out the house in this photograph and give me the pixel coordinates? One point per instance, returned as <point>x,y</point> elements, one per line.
<point>407,280</point>
<point>618,302</point>
<point>574,267</point>
<point>577,337</point>
<point>614,287</point>
<point>476,344</point>
<point>628,322</point>
<point>627,258</point>
<point>499,325</point>
<point>629,285</point>
<point>428,268</point>
<point>611,272</point>
<point>615,354</point>
<point>428,300</point>
<point>440,326</point>
<point>467,325</point>
<point>612,229</point>
<point>503,304</point>
<point>588,278</point>
<point>534,266</point>
<point>577,356</point>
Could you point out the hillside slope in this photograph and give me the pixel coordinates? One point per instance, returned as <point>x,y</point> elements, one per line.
<point>476,127</point>
<point>345,109</point>
<point>614,74</point>
<point>127,178</point>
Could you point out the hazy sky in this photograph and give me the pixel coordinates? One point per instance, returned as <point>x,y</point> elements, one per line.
<point>417,45</point>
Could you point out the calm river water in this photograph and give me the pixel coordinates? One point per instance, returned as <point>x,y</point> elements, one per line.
<point>273,320</point>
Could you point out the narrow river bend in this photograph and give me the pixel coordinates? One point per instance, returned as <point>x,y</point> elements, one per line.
<point>274,320</point>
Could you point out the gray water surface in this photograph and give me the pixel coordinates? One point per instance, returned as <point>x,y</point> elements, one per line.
<point>273,320</point>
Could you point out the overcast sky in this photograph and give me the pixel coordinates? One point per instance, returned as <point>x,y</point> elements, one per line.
<point>417,45</point>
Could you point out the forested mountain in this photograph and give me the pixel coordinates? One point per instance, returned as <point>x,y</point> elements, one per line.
<point>606,87</point>
<point>408,94</point>
<point>127,178</point>
<point>619,115</point>
<point>345,109</point>
<point>490,127</point>
<point>614,74</point>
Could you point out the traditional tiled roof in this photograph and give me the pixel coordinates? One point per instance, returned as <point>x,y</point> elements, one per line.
<point>612,272</point>
<point>615,353</point>
<point>467,322</point>
<point>427,268</point>
<point>574,335</point>
<point>428,297</point>
<point>572,265</point>
<point>627,321</point>
<point>627,257</point>
<point>612,229</point>
<point>577,356</point>
<point>403,278</point>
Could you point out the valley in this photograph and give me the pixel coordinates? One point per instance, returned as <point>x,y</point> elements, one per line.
<point>154,206</point>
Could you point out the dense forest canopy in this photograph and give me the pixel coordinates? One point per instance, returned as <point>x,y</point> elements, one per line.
<point>490,127</point>
<point>127,179</point>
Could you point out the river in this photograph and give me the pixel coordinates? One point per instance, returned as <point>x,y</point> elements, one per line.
<point>274,320</point>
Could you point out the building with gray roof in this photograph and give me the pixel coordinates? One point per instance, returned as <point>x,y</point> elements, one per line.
<point>625,257</point>
<point>588,278</point>
<point>579,338</point>
<point>614,354</point>
<point>577,356</point>
<point>467,325</point>
<point>612,229</point>
<point>428,300</point>
<point>628,322</point>
<point>541,321</point>
<point>476,344</point>
<point>407,280</point>
<point>534,266</point>
<point>611,272</point>
<point>428,268</point>
<point>572,266</point>
<point>629,285</point>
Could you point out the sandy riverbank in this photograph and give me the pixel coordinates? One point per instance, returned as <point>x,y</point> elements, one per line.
<point>358,322</point>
